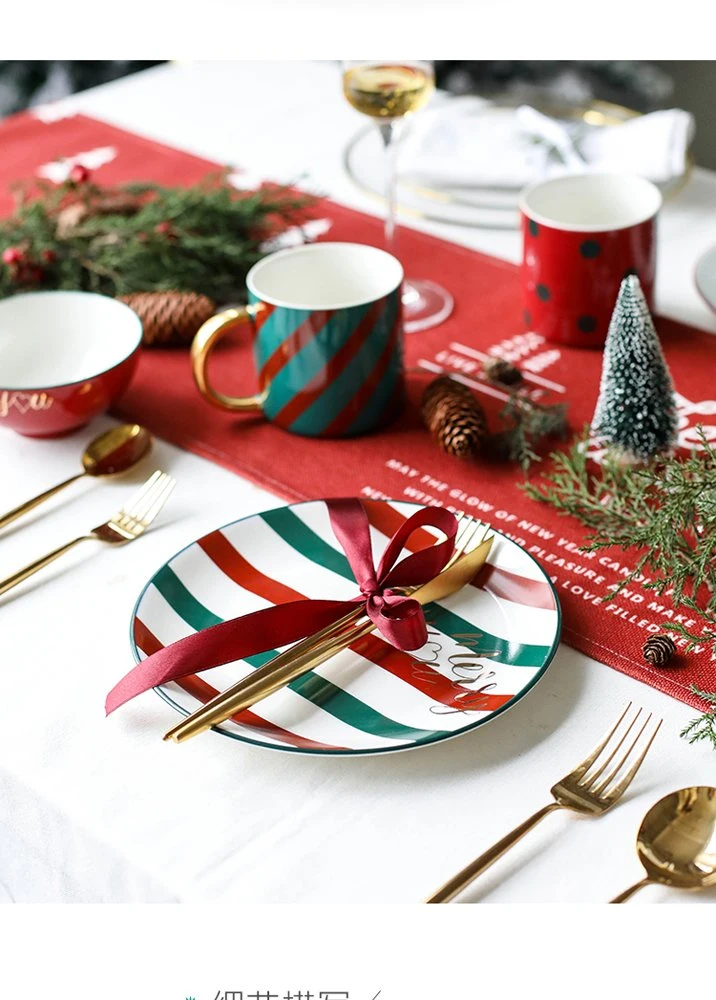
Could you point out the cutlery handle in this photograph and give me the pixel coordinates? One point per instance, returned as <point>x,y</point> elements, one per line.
<point>275,674</point>
<point>628,893</point>
<point>26,571</point>
<point>470,872</point>
<point>24,508</point>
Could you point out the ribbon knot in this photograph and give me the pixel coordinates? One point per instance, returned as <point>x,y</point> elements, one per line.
<point>398,617</point>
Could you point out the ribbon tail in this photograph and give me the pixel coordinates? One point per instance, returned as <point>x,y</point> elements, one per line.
<point>231,640</point>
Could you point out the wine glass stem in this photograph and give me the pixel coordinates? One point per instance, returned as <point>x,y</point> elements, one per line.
<point>390,134</point>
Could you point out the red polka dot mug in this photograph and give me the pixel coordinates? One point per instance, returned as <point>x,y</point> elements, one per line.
<point>582,233</point>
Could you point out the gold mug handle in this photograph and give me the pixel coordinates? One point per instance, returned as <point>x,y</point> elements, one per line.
<point>206,338</point>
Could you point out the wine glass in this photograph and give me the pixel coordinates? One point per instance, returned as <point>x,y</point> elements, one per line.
<point>388,92</point>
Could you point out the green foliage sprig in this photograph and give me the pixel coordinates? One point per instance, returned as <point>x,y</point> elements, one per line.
<point>664,510</point>
<point>704,726</point>
<point>526,424</point>
<point>141,237</point>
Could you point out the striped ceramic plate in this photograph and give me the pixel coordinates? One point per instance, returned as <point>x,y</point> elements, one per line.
<point>488,644</point>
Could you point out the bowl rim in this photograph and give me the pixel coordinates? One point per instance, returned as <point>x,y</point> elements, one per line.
<point>85,378</point>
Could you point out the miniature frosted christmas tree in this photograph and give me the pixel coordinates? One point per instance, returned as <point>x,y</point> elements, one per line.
<point>636,409</point>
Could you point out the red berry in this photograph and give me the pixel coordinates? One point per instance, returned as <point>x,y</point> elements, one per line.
<point>163,227</point>
<point>49,256</point>
<point>79,174</point>
<point>13,255</point>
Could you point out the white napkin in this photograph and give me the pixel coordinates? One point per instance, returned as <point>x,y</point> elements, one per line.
<point>466,142</point>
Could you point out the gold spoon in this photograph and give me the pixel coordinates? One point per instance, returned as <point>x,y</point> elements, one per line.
<point>115,451</point>
<point>676,842</point>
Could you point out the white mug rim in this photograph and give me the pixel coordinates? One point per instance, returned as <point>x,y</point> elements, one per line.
<point>573,227</point>
<point>323,246</point>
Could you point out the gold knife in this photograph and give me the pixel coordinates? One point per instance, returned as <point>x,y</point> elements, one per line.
<point>306,655</point>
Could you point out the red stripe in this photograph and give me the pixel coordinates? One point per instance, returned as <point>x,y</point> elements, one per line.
<point>262,311</point>
<point>220,550</point>
<point>419,675</point>
<point>499,582</point>
<point>357,404</point>
<point>520,589</point>
<point>301,336</point>
<point>327,375</point>
<point>203,692</point>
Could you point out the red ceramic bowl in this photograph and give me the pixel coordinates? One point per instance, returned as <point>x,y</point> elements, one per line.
<point>64,358</point>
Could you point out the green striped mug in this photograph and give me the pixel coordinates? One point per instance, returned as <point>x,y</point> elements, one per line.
<point>327,327</point>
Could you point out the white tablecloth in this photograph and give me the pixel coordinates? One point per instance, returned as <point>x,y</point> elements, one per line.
<point>102,810</point>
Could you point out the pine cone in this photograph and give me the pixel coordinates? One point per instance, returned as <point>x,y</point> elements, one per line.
<point>169,318</point>
<point>503,371</point>
<point>658,650</point>
<point>454,417</point>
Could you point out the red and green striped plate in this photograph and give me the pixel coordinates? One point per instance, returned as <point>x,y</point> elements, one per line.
<point>488,644</point>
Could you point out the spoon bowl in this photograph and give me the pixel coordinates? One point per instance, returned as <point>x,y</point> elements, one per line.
<point>676,842</point>
<point>117,450</point>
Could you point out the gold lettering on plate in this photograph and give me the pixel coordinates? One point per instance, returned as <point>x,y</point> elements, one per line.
<point>467,668</point>
<point>23,401</point>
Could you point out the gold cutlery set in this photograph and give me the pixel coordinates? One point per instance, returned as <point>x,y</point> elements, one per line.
<point>676,843</point>
<point>113,452</point>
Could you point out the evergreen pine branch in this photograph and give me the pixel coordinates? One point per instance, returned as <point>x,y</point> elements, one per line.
<point>664,511</point>
<point>704,726</point>
<point>707,635</point>
<point>202,238</point>
<point>527,423</point>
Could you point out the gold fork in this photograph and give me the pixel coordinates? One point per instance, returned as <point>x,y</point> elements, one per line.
<point>128,523</point>
<point>583,790</point>
<point>306,654</point>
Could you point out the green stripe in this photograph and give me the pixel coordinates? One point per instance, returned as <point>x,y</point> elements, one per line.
<point>302,538</point>
<point>317,690</point>
<point>176,594</point>
<point>483,643</point>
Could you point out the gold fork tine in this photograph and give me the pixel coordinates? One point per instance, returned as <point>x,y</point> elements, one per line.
<point>137,497</point>
<point>599,789</point>
<point>618,790</point>
<point>160,500</point>
<point>466,542</point>
<point>153,501</point>
<point>137,513</point>
<point>581,769</point>
<point>144,501</point>
<point>589,780</point>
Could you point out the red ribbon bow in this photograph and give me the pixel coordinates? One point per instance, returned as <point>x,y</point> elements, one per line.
<point>399,618</point>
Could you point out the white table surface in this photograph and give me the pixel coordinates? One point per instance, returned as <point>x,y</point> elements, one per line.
<point>102,810</point>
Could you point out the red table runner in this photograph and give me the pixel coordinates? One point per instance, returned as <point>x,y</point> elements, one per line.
<point>403,461</point>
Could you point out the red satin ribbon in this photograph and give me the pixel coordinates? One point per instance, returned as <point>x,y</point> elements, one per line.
<point>400,619</point>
